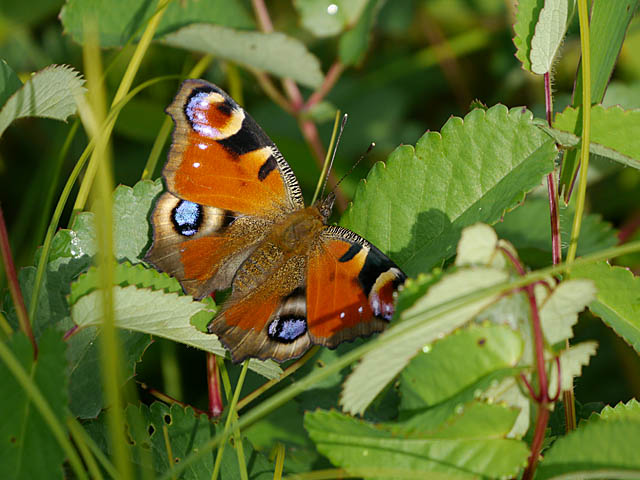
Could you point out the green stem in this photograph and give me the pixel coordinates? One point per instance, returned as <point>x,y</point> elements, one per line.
<point>583,14</point>
<point>409,322</point>
<point>227,424</point>
<point>80,435</point>
<point>89,460</point>
<point>49,417</point>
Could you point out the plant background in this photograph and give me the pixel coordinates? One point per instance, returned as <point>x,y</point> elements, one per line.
<point>426,61</point>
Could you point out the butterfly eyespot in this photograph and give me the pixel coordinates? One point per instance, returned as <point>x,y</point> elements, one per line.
<point>286,330</point>
<point>187,218</point>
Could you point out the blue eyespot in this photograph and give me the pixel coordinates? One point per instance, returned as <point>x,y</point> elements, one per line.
<point>187,217</point>
<point>286,330</point>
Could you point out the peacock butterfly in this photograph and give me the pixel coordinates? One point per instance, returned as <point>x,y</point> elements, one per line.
<point>234,217</point>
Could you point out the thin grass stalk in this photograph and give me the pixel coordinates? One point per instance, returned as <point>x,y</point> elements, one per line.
<point>583,15</point>
<point>123,89</point>
<point>230,414</point>
<point>101,158</point>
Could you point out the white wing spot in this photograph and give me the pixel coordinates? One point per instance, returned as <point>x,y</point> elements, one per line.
<point>196,164</point>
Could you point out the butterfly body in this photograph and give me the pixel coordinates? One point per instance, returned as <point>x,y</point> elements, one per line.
<point>234,217</point>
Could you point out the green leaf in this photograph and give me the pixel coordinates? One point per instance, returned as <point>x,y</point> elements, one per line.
<point>471,445</point>
<point>354,43</point>
<point>528,228</point>
<point>602,447</point>
<point>549,32</point>
<point>131,231</point>
<point>416,205</point>
<point>608,25</point>
<point>274,52</point>
<point>85,364</point>
<point>477,246</point>
<point>571,363</point>
<point>559,313</point>
<point>125,275</point>
<point>9,82</point>
<point>629,410</point>
<point>325,18</point>
<point>615,133</point>
<point>527,14</point>
<point>456,362</point>
<point>23,431</point>
<point>618,299</point>
<point>153,430</point>
<point>399,344</point>
<point>49,93</point>
<point>166,315</point>
<point>120,21</point>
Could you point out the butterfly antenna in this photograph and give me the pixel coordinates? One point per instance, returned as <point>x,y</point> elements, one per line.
<point>362,157</point>
<point>333,147</point>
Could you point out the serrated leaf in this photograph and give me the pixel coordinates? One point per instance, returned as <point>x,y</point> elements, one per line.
<point>615,133</point>
<point>559,313</point>
<point>49,93</point>
<point>166,315</point>
<point>325,18</point>
<point>399,344</point>
<point>153,430</point>
<point>629,410</point>
<point>471,445</point>
<point>571,363</point>
<point>456,362</point>
<point>23,431</point>
<point>120,21</point>
<point>608,25</point>
<point>618,299</point>
<point>476,170</point>
<point>125,274</point>
<point>527,14</point>
<point>549,32</point>
<point>131,207</point>
<point>9,82</point>
<point>601,447</point>
<point>273,52</point>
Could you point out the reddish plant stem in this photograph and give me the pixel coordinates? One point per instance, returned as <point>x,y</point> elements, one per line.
<point>541,398</point>
<point>69,333</point>
<point>170,400</point>
<point>538,439</point>
<point>297,103</point>
<point>328,83</point>
<point>629,228</point>
<point>554,210</point>
<point>14,284</point>
<point>213,381</point>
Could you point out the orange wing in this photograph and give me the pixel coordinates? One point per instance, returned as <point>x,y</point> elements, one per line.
<point>350,287</point>
<point>222,158</point>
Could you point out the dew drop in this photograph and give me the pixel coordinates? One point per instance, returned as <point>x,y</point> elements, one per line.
<point>332,9</point>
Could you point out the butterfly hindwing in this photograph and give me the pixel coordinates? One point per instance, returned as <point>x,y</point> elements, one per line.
<point>350,287</point>
<point>221,157</point>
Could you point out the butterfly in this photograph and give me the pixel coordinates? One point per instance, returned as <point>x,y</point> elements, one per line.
<point>234,216</point>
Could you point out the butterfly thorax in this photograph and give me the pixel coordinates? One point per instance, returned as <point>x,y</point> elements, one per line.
<point>280,258</point>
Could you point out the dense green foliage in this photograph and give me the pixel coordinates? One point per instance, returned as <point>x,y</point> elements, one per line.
<point>105,364</point>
